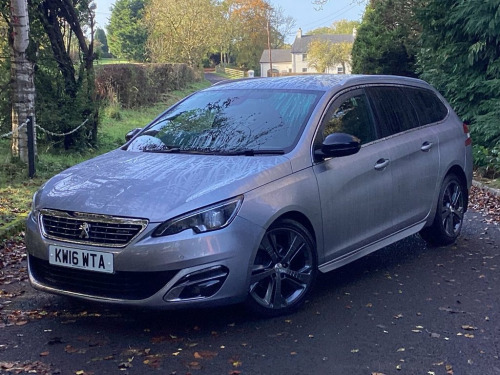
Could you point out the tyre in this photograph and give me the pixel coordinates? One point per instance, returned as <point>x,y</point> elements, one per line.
<point>449,214</point>
<point>283,271</point>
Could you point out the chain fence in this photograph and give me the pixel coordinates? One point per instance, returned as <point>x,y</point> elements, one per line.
<point>12,132</point>
<point>45,130</point>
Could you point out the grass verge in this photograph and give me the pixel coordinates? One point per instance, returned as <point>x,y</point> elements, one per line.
<point>16,189</point>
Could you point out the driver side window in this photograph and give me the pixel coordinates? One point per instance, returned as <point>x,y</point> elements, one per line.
<point>350,114</point>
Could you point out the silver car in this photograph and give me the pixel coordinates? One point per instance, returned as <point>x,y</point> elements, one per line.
<point>245,190</point>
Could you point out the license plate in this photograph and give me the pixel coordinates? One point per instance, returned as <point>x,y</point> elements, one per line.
<point>83,259</point>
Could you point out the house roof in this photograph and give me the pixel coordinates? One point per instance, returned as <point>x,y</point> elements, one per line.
<point>277,56</point>
<point>300,45</point>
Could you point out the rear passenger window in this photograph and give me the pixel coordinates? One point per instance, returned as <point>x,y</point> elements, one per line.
<point>394,111</point>
<point>429,107</point>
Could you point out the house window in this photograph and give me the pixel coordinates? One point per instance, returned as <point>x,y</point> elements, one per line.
<point>304,57</point>
<point>340,70</point>
<point>304,70</point>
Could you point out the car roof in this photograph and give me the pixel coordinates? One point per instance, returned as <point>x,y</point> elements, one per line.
<point>317,82</point>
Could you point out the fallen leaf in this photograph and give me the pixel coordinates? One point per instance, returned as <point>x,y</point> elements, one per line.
<point>195,365</point>
<point>44,354</point>
<point>206,354</point>
<point>70,349</point>
<point>124,365</point>
<point>469,327</point>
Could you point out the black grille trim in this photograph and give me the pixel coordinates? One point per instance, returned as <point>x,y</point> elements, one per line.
<point>103,230</point>
<point>120,285</point>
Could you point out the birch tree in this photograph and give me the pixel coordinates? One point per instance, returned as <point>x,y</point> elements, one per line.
<point>23,87</point>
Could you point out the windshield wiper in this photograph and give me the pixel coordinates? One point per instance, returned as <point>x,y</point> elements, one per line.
<point>252,152</point>
<point>172,150</point>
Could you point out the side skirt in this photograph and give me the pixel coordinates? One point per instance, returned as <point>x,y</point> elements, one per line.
<point>365,250</point>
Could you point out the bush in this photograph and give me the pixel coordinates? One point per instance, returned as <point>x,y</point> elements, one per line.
<point>139,85</point>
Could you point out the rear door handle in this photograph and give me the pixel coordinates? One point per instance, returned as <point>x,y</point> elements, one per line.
<point>426,146</point>
<point>381,164</point>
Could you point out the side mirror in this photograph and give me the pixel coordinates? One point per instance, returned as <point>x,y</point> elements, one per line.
<point>131,134</point>
<point>337,145</point>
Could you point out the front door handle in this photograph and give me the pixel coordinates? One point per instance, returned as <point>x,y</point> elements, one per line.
<point>381,164</point>
<point>426,146</point>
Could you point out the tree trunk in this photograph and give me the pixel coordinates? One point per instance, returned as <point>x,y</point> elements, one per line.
<point>23,87</point>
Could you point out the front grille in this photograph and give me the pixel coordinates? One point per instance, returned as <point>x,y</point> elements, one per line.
<point>97,230</point>
<point>120,285</point>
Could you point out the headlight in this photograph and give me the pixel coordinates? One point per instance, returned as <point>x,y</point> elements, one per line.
<point>206,219</point>
<point>34,211</point>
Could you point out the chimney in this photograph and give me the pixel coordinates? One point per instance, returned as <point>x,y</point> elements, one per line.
<point>299,33</point>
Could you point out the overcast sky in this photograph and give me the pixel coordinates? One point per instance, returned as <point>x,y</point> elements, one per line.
<point>304,12</point>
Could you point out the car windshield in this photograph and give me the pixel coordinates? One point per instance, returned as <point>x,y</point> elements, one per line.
<point>230,121</point>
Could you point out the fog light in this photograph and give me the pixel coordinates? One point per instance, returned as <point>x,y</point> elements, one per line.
<point>199,284</point>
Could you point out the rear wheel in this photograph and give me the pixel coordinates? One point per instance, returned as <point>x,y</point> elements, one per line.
<point>449,215</point>
<point>283,271</point>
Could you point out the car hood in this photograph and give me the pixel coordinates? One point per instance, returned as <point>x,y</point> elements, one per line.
<point>156,186</point>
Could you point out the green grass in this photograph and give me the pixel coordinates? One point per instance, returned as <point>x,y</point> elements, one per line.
<point>110,61</point>
<point>16,189</point>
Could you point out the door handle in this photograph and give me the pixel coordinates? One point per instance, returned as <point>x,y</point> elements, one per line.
<point>426,146</point>
<point>381,164</point>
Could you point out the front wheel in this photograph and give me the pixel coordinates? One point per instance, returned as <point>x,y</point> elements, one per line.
<point>283,271</point>
<point>449,215</point>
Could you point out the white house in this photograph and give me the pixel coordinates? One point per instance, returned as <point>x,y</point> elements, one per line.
<point>294,60</point>
<point>281,61</point>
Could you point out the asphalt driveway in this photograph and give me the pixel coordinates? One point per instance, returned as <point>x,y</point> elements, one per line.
<point>407,309</point>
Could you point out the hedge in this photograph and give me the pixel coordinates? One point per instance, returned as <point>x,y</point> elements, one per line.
<point>137,85</point>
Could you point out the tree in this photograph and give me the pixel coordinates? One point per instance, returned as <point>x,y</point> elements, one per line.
<point>23,87</point>
<point>460,55</point>
<point>387,39</point>
<point>338,27</point>
<point>182,31</point>
<point>101,42</point>
<point>251,19</point>
<point>324,54</point>
<point>245,30</point>
<point>281,26</point>
<point>127,34</point>
<point>70,94</point>
<point>5,94</point>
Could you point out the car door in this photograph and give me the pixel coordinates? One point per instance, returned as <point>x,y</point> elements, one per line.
<point>356,190</point>
<point>413,150</point>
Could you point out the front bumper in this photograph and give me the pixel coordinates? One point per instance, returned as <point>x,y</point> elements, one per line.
<point>169,272</point>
